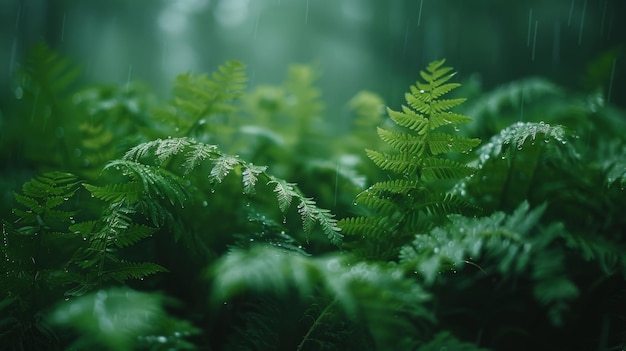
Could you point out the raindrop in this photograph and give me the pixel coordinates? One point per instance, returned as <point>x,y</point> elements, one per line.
<point>205,203</point>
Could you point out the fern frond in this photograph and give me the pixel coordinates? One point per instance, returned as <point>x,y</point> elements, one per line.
<point>329,225</point>
<point>139,151</point>
<point>132,234</point>
<point>250,176</point>
<point>399,163</point>
<point>308,212</point>
<point>122,192</point>
<point>41,197</point>
<point>132,270</point>
<point>155,181</point>
<point>442,168</point>
<point>611,258</point>
<point>409,119</point>
<point>439,143</point>
<point>403,142</point>
<point>284,193</point>
<point>169,147</point>
<point>374,227</point>
<point>222,166</point>
<point>517,134</point>
<point>418,159</point>
<point>199,152</point>
<point>377,295</point>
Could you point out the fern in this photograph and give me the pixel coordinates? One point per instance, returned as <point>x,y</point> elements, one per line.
<point>516,161</point>
<point>375,296</point>
<point>160,183</point>
<point>123,319</point>
<point>250,176</point>
<point>510,245</point>
<point>198,98</point>
<point>418,159</point>
<point>284,193</point>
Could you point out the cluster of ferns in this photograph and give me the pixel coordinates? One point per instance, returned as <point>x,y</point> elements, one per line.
<point>224,220</point>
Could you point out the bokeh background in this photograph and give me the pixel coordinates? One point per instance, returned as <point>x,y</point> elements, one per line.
<point>355,44</point>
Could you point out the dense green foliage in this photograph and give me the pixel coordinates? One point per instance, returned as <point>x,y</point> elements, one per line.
<point>204,223</point>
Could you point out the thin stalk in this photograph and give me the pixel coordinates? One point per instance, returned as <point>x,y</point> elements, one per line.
<point>315,325</point>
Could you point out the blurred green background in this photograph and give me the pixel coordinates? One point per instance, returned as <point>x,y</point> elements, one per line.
<point>356,44</point>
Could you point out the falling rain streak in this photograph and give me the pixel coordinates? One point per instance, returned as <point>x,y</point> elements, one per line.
<point>336,183</point>
<point>534,41</point>
<point>256,25</point>
<point>306,15</point>
<point>571,12</point>
<point>608,95</point>
<point>530,21</point>
<point>582,23</point>
<point>419,16</point>
<point>63,28</point>
<point>130,71</point>
<point>14,46</point>
<point>603,18</point>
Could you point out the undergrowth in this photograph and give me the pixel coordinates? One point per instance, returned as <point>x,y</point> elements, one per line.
<point>231,218</point>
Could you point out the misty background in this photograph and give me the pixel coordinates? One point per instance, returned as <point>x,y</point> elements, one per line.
<point>355,44</point>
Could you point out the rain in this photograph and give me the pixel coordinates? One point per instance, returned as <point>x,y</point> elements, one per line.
<point>313,174</point>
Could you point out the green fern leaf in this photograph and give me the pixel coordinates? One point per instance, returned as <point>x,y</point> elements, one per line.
<point>284,193</point>
<point>170,147</point>
<point>329,226</point>
<point>123,192</point>
<point>155,181</point>
<point>398,163</point>
<point>132,270</point>
<point>441,168</point>
<point>250,176</point>
<point>439,143</point>
<point>308,212</point>
<point>132,234</point>
<point>141,150</point>
<point>222,166</point>
<point>374,227</point>
<point>409,119</point>
<point>403,142</point>
<point>199,152</point>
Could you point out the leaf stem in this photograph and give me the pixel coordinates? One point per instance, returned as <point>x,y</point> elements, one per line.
<point>315,325</point>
